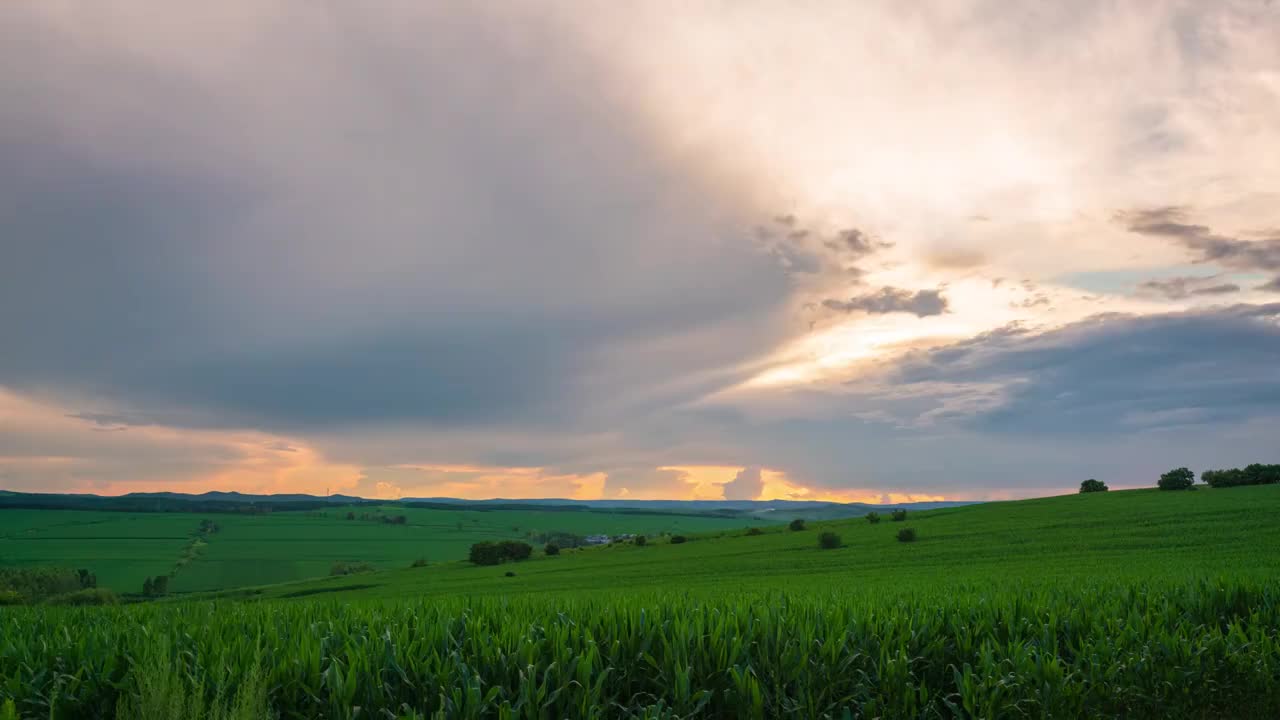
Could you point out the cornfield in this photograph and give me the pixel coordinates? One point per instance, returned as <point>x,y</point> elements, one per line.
<point>1202,649</point>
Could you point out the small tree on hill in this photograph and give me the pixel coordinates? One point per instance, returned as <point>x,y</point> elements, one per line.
<point>755,531</point>
<point>551,549</point>
<point>1092,486</point>
<point>642,540</point>
<point>678,539</point>
<point>1176,479</point>
<point>829,541</point>
<point>873,517</point>
<point>485,553</point>
<point>907,535</point>
<point>796,525</point>
<point>899,515</point>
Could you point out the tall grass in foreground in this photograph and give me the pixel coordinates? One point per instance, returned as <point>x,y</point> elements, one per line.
<point>1203,649</point>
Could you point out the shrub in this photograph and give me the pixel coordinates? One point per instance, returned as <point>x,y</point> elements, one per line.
<point>1092,486</point>
<point>509,573</point>
<point>677,539</point>
<point>1176,479</point>
<point>485,553</point>
<point>641,540</point>
<point>898,515</point>
<point>32,584</point>
<point>829,541</point>
<point>156,586</point>
<point>872,517</point>
<point>491,553</point>
<point>420,562</point>
<point>551,549</point>
<point>755,531</point>
<point>350,568</point>
<point>10,597</point>
<point>87,596</point>
<point>515,550</point>
<point>907,535</point>
<point>796,525</point>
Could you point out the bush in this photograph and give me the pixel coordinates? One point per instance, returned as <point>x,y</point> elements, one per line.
<point>898,515</point>
<point>907,535</point>
<point>755,531</point>
<point>678,539</point>
<point>420,562</point>
<point>642,540</point>
<point>829,541</point>
<point>350,568</point>
<point>156,586</point>
<point>1093,486</point>
<point>551,549</point>
<point>796,525</point>
<point>509,573</point>
<point>1176,479</point>
<point>10,597</point>
<point>32,584</point>
<point>872,517</point>
<point>491,553</point>
<point>87,596</point>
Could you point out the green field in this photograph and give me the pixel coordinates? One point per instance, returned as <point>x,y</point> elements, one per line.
<point>125,548</point>
<point>1125,604</point>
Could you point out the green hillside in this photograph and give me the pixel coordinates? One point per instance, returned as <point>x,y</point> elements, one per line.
<point>1130,535</point>
<point>1138,604</point>
<point>124,548</point>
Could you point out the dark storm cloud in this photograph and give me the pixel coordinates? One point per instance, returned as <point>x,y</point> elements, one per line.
<point>1179,288</point>
<point>335,222</point>
<point>748,484</point>
<point>856,243</point>
<point>922,303</point>
<point>1115,373</point>
<point>1170,222</point>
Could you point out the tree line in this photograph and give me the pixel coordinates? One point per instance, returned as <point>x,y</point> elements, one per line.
<point>1184,479</point>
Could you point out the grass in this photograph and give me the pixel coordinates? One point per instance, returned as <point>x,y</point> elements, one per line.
<point>1120,536</point>
<point>1138,604</point>
<point>124,549</point>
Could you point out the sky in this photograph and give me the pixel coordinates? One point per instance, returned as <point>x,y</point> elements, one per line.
<point>870,251</point>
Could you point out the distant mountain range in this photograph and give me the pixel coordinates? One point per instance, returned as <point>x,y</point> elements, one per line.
<point>215,501</point>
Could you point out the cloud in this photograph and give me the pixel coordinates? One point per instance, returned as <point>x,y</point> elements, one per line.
<point>1272,285</point>
<point>256,242</point>
<point>328,225</point>
<point>746,485</point>
<point>1107,374</point>
<point>922,303</point>
<point>1170,222</point>
<point>1179,288</point>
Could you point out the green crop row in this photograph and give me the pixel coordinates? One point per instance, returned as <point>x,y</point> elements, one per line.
<point>1202,649</point>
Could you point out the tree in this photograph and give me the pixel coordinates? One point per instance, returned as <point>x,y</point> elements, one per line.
<point>148,588</point>
<point>678,539</point>
<point>829,541</point>
<point>899,515</point>
<point>161,584</point>
<point>642,540</point>
<point>1176,479</point>
<point>485,553</point>
<point>551,549</point>
<point>796,525</point>
<point>755,531</point>
<point>1092,486</point>
<point>907,535</point>
<point>873,517</point>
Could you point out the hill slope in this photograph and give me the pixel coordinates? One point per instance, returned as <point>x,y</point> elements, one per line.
<point>1129,535</point>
